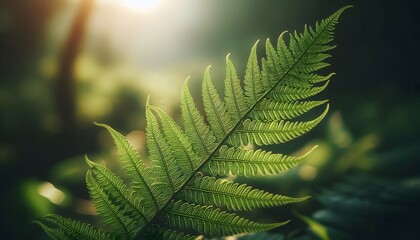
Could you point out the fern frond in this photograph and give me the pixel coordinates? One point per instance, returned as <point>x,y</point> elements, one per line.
<point>307,79</point>
<point>167,173</point>
<point>273,66</point>
<point>206,190</point>
<point>133,166</point>
<point>266,133</point>
<point>181,147</point>
<point>131,203</point>
<point>234,96</point>
<point>61,228</point>
<point>253,88</point>
<point>217,113</point>
<point>115,213</point>
<point>179,193</point>
<point>272,110</point>
<point>201,137</point>
<point>242,162</point>
<point>283,51</point>
<point>212,221</point>
<point>286,92</point>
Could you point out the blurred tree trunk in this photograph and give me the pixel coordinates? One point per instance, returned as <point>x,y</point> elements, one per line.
<point>65,93</point>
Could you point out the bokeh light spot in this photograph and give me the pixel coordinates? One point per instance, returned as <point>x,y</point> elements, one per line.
<point>51,193</point>
<point>307,172</point>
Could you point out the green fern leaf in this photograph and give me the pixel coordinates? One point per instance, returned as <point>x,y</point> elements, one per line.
<point>285,92</point>
<point>253,88</point>
<point>265,76</point>
<point>140,176</point>
<point>234,95</point>
<point>130,202</point>
<point>266,133</point>
<point>181,147</point>
<point>180,193</point>
<point>61,228</point>
<point>115,213</point>
<point>201,137</point>
<point>217,114</point>
<point>167,173</point>
<point>242,162</point>
<point>283,52</point>
<point>274,67</point>
<point>206,190</point>
<point>271,110</point>
<point>308,80</point>
<point>211,221</point>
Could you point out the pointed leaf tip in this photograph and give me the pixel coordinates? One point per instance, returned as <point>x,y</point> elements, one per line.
<point>283,33</point>
<point>207,72</point>
<point>186,81</point>
<point>327,108</point>
<point>100,124</point>
<point>301,199</point>
<point>309,152</point>
<point>256,43</point>
<point>148,101</point>
<point>89,162</point>
<point>341,10</point>
<point>276,225</point>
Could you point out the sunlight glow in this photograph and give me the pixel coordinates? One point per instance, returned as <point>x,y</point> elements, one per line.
<point>51,193</point>
<point>307,172</point>
<point>142,5</point>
